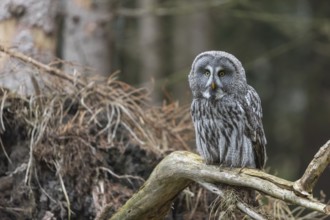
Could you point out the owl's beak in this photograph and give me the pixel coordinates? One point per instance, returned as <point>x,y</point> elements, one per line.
<point>213,86</point>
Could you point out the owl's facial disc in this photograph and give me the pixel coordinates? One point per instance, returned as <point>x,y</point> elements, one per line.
<point>215,74</point>
<point>213,87</point>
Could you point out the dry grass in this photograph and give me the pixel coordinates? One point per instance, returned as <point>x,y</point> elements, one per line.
<point>71,130</point>
<point>278,210</point>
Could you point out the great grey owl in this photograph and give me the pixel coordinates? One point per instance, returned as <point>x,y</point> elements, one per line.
<point>226,112</point>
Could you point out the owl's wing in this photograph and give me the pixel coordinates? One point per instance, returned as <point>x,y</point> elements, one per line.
<point>255,130</point>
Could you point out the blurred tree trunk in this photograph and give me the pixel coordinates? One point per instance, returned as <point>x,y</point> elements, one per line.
<point>180,59</point>
<point>149,37</point>
<point>191,36</point>
<point>30,27</point>
<point>87,37</point>
<point>199,32</point>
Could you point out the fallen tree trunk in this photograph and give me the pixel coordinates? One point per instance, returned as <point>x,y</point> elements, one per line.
<point>176,171</point>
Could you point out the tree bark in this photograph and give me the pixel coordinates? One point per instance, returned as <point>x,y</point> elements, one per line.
<point>30,27</point>
<point>180,52</point>
<point>192,33</point>
<point>87,35</point>
<point>149,38</point>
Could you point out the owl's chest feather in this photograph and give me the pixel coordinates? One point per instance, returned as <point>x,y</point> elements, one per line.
<point>217,123</point>
<point>220,134</point>
<point>203,109</point>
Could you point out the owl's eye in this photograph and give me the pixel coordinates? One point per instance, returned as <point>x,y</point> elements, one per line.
<point>207,73</point>
<point>221,73</point>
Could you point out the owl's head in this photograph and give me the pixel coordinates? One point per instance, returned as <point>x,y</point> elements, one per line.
<point>215,74</point>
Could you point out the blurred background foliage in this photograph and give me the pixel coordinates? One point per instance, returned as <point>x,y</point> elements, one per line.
<point>283,45</point>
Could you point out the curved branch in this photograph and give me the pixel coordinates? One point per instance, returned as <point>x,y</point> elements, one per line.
<point>180,168</point>
<point>314,170</point>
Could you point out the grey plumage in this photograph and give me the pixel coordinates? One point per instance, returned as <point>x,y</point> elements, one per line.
<point>226,112</point>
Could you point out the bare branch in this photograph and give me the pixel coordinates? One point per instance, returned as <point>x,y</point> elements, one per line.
<point>49,69</point>
<point>181,168</point>
<point>314,170</point>
<point>249,211</point>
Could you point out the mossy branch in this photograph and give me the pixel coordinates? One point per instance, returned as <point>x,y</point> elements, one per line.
<point>179,169</point>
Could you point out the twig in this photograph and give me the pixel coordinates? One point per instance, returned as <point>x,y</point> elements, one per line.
<point>194,208</point>
<point>249,211</point>
<point>42,189</point>
<point>31,159</point>
<point>314,170</point>
<point>14,209</point>
<point>4,151</point>
<point>64,189</point>
<point>4,96</point>
<point>127,177</point>
<point>49,69</point>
